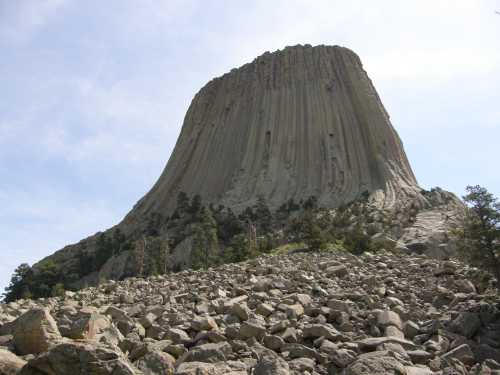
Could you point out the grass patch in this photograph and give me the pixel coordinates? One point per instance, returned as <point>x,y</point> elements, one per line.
<point>285,249</point>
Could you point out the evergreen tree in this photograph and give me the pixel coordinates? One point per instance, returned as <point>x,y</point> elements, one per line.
<point>311,203</point>
<point>86,262</point>
<point>228,224</point>
<point>205,246</point>
<point>153,226</point>
<point>57,290</point>
<point>156,256</point>
<point>182,203</point>
<point>19,286</point>
<point>104,250</point>
<point>263,215</point>
<point>118,238</point>
<point>195,206</point>
<point>238,250</point>
<point>45,276</point>
<point>479,234</point>
<point>312,234</point>
<point>248,215</point>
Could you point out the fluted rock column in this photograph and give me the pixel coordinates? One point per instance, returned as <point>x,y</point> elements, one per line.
<point>294,123</point>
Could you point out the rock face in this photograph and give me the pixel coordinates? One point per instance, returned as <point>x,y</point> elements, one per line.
<point>387,314</point>
<point>300,122</point>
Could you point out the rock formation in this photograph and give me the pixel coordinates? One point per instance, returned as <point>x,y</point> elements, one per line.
<point>297,123</point>
<point>300,122</point>
<point>304,313</point>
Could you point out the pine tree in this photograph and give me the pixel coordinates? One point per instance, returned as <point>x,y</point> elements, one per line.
<point>139,253</point>
<point>479,234</point>
<point>19,286</point>
<point>311,203</point>
<point>312,234</point>
<point>182,204</point>
<point>195,206</point>
<point>239,249</point>
<point>205,246</point>
<point>263,215</point>
<point>104,250</point>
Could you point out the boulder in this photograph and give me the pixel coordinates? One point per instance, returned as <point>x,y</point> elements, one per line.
<point>271,364</point>
<point>178,336</point>
<point>209,353</point>
<point>376,363</point>
<point>337,271</point>
<point>466,324</point>
<point>415,370</point>
<point>87,325</point>
<point>35,332</point>
<point>264,309</point>
<point>322,330</point>
<point>462,352</point>
<point>252,328</point>
<point>342,357</point>
<point>79,358</point>
<point>203,324</point>
<point>156,363</point>
<point>10,364</point>
<point>203,368</point>
<point>241,311</point>
<point>273,342</point>
<point>389,318</point>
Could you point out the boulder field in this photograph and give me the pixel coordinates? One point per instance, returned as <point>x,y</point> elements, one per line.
<point>304,313</point>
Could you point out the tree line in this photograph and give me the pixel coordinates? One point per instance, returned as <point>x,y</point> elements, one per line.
<point>218,235</point>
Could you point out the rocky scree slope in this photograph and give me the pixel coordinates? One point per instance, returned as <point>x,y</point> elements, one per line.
<point>315,313</point>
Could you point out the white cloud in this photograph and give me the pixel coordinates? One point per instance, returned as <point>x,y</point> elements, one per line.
<point>433,66</point>
<point>20,19</point>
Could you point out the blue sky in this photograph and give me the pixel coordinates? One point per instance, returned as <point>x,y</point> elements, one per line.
<point>93,94</point>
